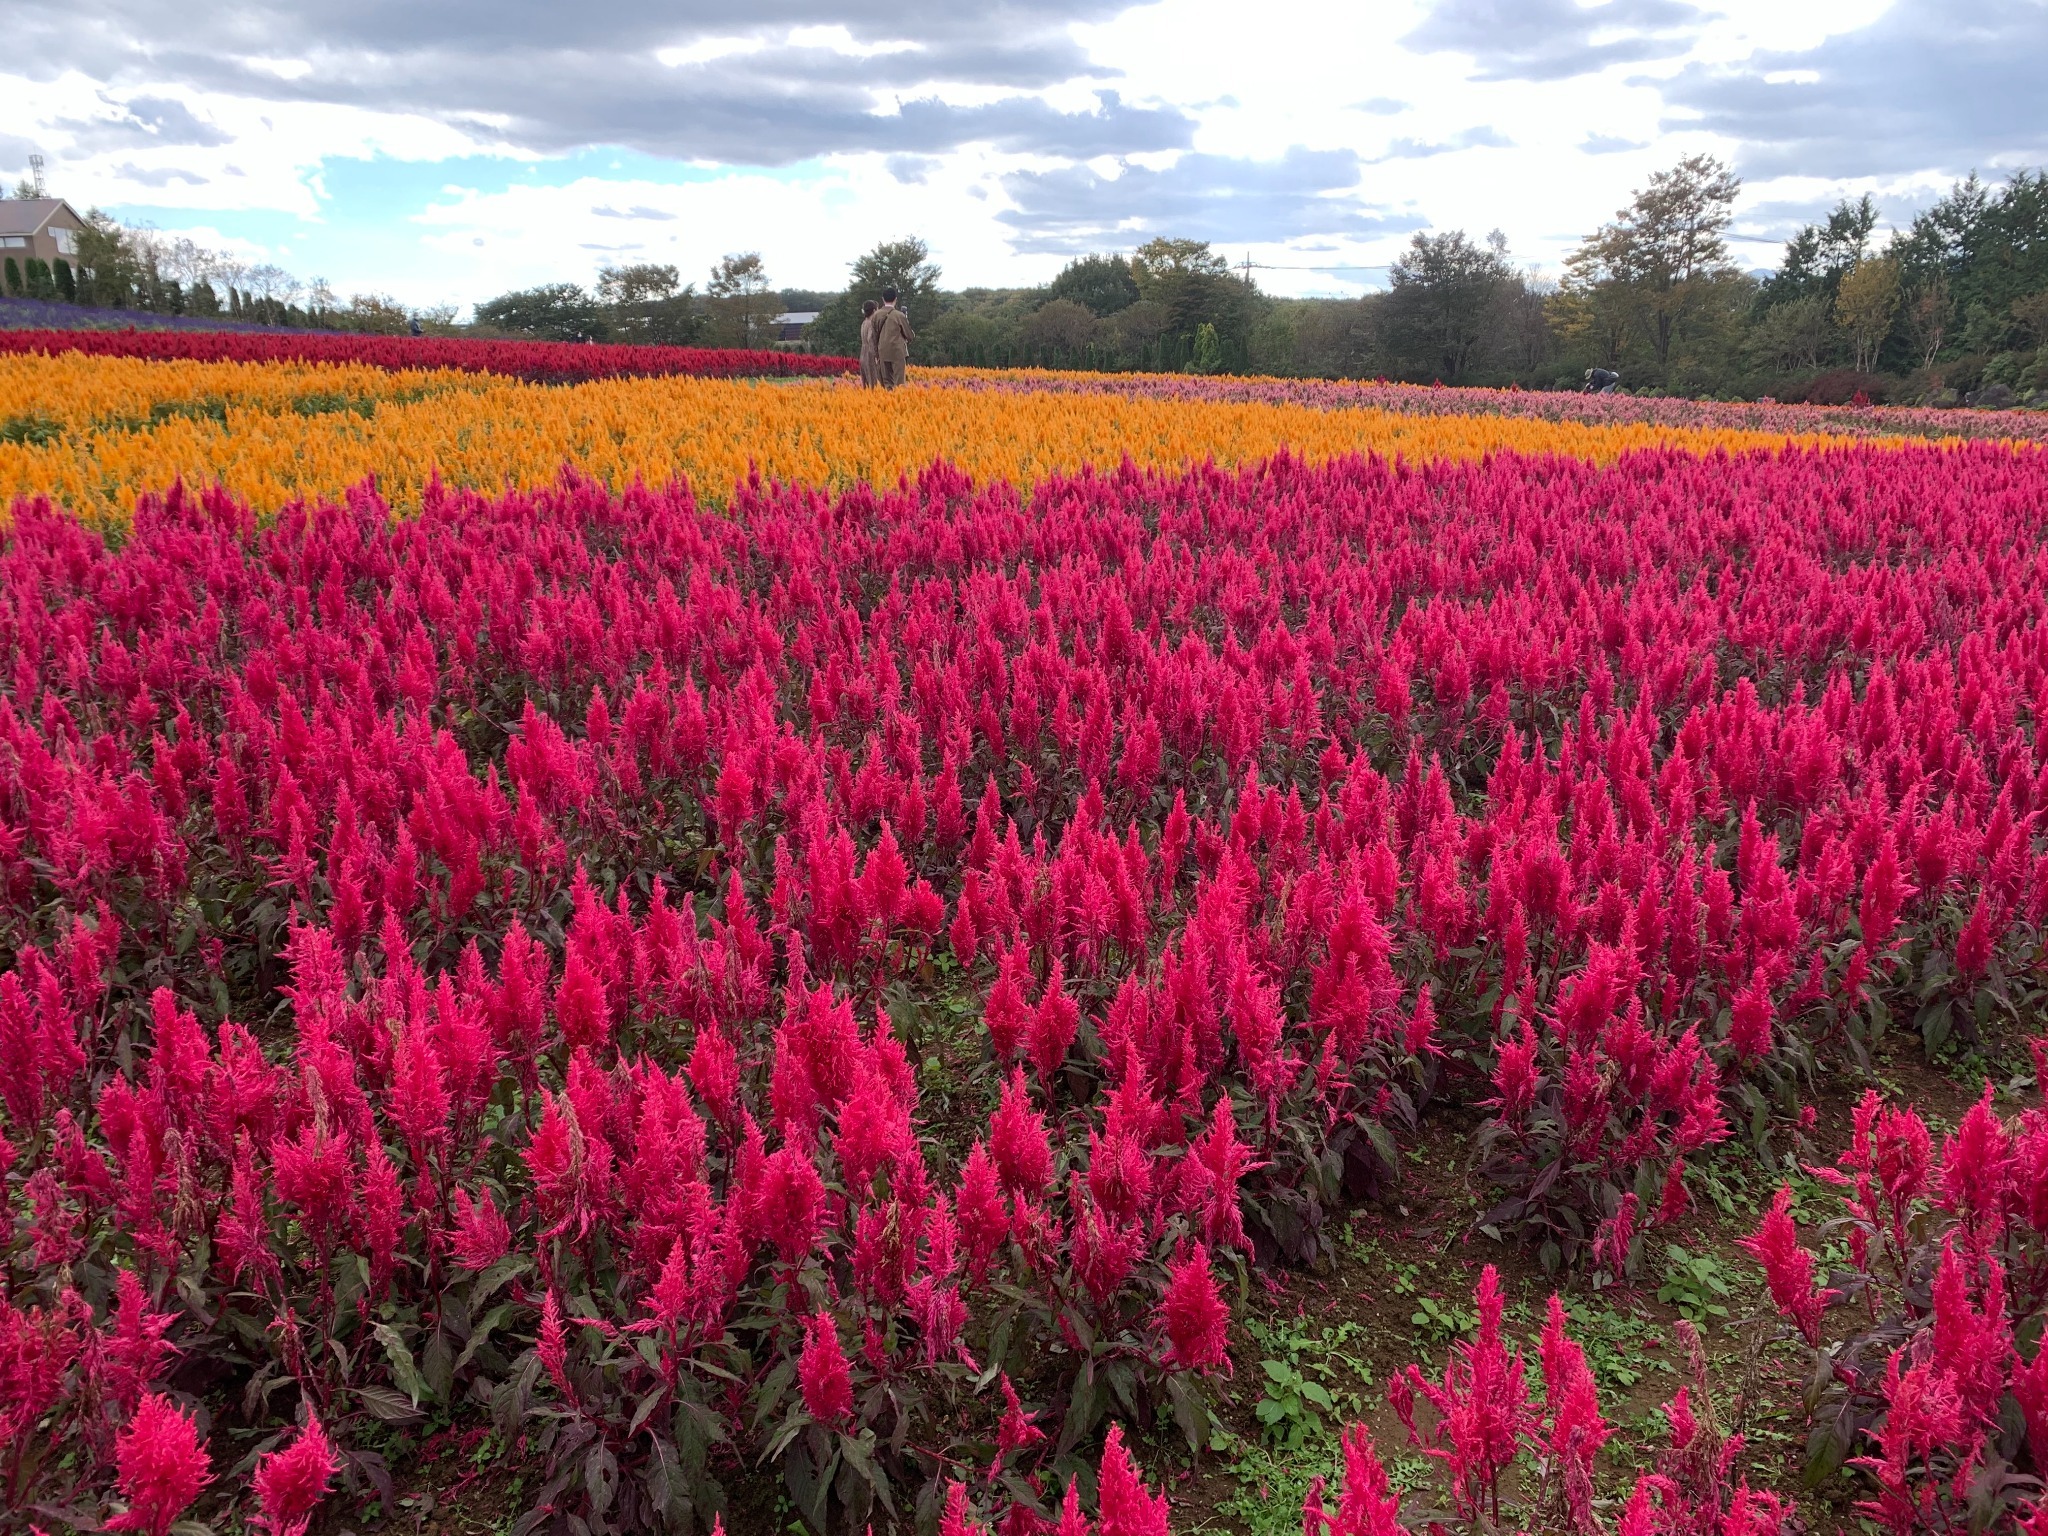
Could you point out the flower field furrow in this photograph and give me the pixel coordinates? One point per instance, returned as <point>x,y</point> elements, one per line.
<point>853,979</point>
<point>1867,421</point>
<point>76,394</point>
<point>555,362</point>
<point>275,439</point>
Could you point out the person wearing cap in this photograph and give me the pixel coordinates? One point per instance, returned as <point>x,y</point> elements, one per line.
<point>893,336</point>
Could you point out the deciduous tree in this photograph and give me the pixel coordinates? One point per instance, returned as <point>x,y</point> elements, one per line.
<point>1865,304</point>
<point>1661,258</point>
<point>553,312</point>
<point>904,265</point>
<point>742,303</point>
<point>1062,326</point>
<point>648,302</point>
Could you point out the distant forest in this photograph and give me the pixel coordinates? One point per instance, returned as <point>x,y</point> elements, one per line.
<point>1952,308</point>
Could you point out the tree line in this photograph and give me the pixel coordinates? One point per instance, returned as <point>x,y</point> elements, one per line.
<point>1953,307</point>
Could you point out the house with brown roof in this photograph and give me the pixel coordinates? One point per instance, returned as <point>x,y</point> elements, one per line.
<point>46,227</point>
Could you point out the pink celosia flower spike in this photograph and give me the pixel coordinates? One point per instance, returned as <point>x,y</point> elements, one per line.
<point>1193,1315</point>
<point>1128,1508</point>
<point>1788,1268</point>
<point>160,1467</point>
<point>822,1372</point>
<point>290,1483</point>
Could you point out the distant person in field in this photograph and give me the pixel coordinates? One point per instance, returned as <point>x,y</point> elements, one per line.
<point>870,367</point>
<point>1602,381</point>
<point>893,336</point>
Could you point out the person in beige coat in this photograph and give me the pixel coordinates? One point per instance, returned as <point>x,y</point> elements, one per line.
<point>870,368</point>
<point>893,336</point>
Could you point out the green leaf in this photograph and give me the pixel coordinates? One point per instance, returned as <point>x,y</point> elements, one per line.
<point>1084,1407</point>
<point>644,1408</point>
<point>1189,1412</point>
<point>482,1332</point>
<point>771,1391</point>
<point>497,1275</point>
<point>437,1365</point>
<point>403,1370</point>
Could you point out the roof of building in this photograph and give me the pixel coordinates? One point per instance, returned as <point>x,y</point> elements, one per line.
<point>797,317</point>
<point>27,215</point>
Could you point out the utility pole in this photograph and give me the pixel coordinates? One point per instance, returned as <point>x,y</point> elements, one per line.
<point>35,172</point>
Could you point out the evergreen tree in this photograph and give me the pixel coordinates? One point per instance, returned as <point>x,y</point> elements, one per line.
<point>67,284</point>
<point>107,257</point>
<point>13,277</point>
<point>1990,251</point>
<point>1102,285</point>
<point>41,285</point>
<point>1195,286</point>
<point>1445,302</point>
<point>1820,255</point>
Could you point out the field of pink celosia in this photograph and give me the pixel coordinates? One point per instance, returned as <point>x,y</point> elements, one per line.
<point>1883,421</point>
<point>854,985</point>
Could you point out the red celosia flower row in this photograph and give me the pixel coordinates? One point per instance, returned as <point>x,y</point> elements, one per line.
<point>842,981</point>
<point>544,362</point>
<point>1930,1391</point>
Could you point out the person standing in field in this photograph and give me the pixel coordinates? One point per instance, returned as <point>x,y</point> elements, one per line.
<point>893,336</point>
<point>870,368</point>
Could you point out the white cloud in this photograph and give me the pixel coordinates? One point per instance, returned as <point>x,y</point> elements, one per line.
<point>960,125</point>
<point>840,40</point>
<point>706,50</point>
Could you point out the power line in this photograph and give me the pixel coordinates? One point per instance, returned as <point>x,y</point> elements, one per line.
<point>1267,266</point>
<point>1249,266</point>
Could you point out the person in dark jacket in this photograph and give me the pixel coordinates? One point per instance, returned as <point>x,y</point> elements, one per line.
<point>870,368</point>
<point>893,336</point>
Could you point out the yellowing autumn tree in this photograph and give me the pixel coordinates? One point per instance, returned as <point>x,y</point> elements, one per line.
<point>1865,305</point>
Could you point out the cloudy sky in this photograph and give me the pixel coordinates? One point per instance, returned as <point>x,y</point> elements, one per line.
<point>446,150</point>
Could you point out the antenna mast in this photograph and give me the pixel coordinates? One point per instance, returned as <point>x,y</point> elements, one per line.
<point>35,171</point>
